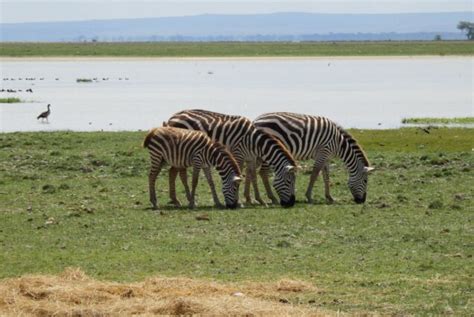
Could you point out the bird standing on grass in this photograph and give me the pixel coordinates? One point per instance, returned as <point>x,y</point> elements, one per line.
<point>45,115</point>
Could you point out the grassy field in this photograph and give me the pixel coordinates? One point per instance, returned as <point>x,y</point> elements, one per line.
<point>81,200</point>
<point>235,49</point>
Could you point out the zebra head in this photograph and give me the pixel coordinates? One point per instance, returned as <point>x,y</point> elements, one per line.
<point>284,184</point>
<point>230,189</point>
<point>358,184</point>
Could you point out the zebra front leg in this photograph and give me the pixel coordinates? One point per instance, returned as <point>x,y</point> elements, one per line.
<point>248,176</point>
<point>208,173</point>
<point>264,170</point>
<point>173,173</point>
<point>254,180</point>
<point>183,175</point>
<point>327,193</point>
<point>154,172</point>
<point>314,176</point>
<point>192,203</point>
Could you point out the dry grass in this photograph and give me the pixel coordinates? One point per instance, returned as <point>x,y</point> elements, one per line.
<point>73,293</point>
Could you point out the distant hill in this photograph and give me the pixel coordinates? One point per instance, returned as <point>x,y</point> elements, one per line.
<point>258,27</point>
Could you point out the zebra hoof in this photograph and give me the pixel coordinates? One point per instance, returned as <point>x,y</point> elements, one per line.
<point>175,203</point>
<point>329,200</point>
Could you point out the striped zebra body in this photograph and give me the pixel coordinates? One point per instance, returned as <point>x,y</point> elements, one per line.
<point>181,149</point>
<point>247,144</point>
<point>318,138</point>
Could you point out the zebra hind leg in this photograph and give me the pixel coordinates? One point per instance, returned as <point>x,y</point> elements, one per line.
<point>173,173</point>
<point>154,172</point>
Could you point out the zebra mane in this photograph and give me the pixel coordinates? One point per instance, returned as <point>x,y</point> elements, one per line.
<point>222,148</point>
<point>285,151</point>
<point>354,145</point>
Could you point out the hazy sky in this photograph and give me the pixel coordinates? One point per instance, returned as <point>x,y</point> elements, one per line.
<point>72,10</point>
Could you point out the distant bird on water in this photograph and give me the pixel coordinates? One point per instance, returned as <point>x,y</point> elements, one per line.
<point>45,115</point>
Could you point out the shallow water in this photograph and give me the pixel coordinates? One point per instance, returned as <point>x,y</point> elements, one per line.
<point>140,94</point>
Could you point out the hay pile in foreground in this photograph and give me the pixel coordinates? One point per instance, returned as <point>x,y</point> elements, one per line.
<point>73,293</point>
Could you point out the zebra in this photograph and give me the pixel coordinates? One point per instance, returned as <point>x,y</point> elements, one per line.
<point>182,148</point>
<point>248,145</point>
<point>319,138</point>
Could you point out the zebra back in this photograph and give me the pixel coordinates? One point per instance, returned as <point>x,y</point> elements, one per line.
<point>226,129</point>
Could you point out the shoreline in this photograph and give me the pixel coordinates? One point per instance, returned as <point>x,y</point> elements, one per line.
<point>223,58</point>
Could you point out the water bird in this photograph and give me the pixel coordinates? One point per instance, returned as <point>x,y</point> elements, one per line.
<point>45,115</point>
<point>29,90</point>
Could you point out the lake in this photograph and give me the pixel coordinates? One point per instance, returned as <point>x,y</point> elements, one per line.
<point>137,94</point>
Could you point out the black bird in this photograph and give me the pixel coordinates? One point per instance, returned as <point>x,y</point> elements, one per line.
<point>45,115</point>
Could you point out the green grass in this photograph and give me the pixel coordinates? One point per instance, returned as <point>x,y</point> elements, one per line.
<point>462,120</point>
<point>10,100</point>
<point>81,199</point>
<point>236,49</point>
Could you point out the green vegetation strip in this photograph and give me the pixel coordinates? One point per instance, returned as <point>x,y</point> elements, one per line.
<point>83,80</point>
<point>236,49</point>
<point>81,200</point>
<point>463,120</point>
<point>10,100</point>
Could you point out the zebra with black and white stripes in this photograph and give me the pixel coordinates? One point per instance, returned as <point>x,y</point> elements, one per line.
<point>183,148</point>
<point>318,138</point>
<point>247,144</point>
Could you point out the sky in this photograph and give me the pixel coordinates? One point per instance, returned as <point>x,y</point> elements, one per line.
<point>18,11</point>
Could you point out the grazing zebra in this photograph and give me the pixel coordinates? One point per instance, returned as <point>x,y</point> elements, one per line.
<point>181,148</point>
<point>248,145</point>
<point>313,137</point>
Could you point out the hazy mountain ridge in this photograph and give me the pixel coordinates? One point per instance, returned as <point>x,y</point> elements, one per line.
<point>277,26</point>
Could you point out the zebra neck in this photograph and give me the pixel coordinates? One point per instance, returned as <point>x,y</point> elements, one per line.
<point>348,152</point>
<point>270,150</point>
<point>221,160</point>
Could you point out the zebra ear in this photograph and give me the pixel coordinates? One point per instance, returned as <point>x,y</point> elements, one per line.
<point>237,179</point>
<point>368,169</point>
